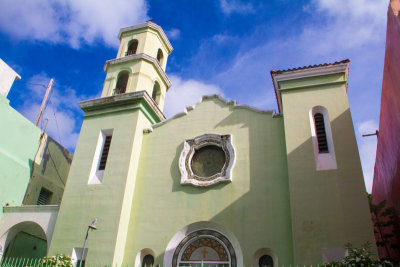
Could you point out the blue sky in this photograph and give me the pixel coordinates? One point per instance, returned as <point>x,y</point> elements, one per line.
<point>220,46</point>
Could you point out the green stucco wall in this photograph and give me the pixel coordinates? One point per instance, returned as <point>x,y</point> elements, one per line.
<point>22,143</point>
<point>51,173</point>
<point>20,140</point>
<point>110,202</point>
<point>329,208</point>
<point>254,207</point>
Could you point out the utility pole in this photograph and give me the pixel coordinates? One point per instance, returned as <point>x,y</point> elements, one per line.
<point>44,102</point>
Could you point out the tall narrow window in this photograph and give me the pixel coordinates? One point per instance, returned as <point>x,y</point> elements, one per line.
<point>132,47</point>
<point>104,153</point>
<point>44,197</point>
<point>160,56</point>
<point>321,133</point>
<point>122,82</point>
<point>156,89</point>
<point>322,140</point>
<point>100,158</point>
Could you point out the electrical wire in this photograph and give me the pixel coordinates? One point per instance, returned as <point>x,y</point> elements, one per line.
<point>38,84</point>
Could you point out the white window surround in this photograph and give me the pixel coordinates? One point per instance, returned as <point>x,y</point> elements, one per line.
<point>96,175</point>
<point>202,225</point>
<point>77,255</point>
<point>265,251</point>
<point>205,262</point>
<point>141,254</point>
<point>189,148</point>
<point>323,161</point>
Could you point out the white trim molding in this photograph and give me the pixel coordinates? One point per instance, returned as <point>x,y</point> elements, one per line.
<point>189,149</point>
<point>96,175</point>
<point>265,251</point>
<point>323,161</point>
<point>191,229</point>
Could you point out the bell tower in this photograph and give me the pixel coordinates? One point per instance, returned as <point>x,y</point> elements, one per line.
<point>140,63</point>
<point>102,178</point>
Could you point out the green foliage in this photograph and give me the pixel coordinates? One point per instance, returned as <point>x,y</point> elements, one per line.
<point>385,225</point>
<point>60,260</point>
<point>358,257</point>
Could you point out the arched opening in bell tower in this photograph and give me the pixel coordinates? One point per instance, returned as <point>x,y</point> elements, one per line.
<point>122,82</point>
<point>156,92</point>
<point>160,56</point>
<point>132,47</point>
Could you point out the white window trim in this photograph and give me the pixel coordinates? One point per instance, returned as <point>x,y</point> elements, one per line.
<point>323,161</point>
<point>96,175</point>
<point>265,251</point>
<point>77,255</point>
<point>141,254</point>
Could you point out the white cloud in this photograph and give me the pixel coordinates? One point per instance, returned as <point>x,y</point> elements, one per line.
<point>184,93</point>
<point>344,29</point>
<point>234,6</point>
<point>349,24</point>
<point>74,22</point>
<point>173,34</point>
<point>367,147</point>
<point>62,115</point>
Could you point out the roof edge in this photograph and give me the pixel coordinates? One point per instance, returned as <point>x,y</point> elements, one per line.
<point>305,72</point>
<point>210,97</point>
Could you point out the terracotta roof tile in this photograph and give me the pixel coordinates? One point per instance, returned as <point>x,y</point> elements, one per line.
<point>310,66</point>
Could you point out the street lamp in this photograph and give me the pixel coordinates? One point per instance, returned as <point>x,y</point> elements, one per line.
<point>92,226</point>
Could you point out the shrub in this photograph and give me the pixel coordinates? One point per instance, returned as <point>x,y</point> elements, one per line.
<point>60,260</point>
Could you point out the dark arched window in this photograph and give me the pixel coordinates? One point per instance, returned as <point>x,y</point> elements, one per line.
<point>122,82</point>
<point>156,89</point>
<point>132,47</point>
<point>148,261</point>
<point>265,261</point>
<point>160,56</point>
<point>321,133</point>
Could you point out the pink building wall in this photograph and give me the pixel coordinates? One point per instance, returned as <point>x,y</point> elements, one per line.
<point>386,184</point>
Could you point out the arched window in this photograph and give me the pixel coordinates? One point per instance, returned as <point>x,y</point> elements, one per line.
<point>132,47</point>
<point>148,261</point>
<point>321,133</point>
<point>156,92</point>
<point>322,140</point>
<point>122,82</point>
<point>265,261</point>
<point>205,247</point>
<point>160,56</point>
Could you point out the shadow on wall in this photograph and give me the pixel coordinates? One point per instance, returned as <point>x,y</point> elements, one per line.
<point>320,207</point>
<point>49,174</point>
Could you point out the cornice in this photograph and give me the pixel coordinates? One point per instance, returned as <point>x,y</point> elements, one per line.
<point>307,73</point>
<point>151,25</point>
<point>31,208</point>
<point>139,56</point>
<point>122,100</point>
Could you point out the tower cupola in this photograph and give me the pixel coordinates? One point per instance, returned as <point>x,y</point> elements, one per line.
<point>140,63</point>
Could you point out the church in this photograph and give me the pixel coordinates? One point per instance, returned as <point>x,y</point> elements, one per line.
<point>220,184</point>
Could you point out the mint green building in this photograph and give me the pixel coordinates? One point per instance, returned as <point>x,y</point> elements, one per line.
<point>221,184</point>
<point>33,172</point>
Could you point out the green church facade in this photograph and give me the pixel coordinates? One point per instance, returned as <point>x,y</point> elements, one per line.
<point>281,194</point>
<point>221,184</point>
